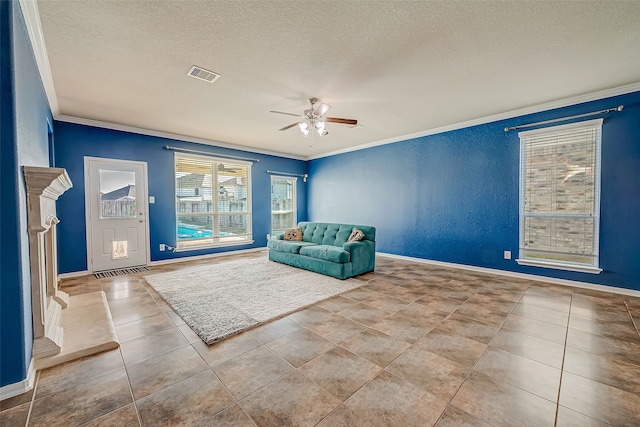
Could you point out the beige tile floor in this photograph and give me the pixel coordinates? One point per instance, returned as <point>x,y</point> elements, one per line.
<point>415,345</point>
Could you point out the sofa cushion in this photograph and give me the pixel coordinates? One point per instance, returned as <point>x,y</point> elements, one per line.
<point>294,234</point>
<point>333,234</point>
<point>289,246</point>
<point>326,252</point>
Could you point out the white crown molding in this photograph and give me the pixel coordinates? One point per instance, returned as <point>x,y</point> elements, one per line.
<point>174,136</point>
<point>622,90</point>
<point>34,29</point>
<point>11,390</point>
<point>594,96</point>
<point>553,280</point>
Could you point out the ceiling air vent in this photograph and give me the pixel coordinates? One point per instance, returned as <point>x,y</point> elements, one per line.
<point>202,74</point>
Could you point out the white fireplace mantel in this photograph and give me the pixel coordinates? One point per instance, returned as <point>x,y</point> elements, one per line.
<point>44,186</point>
<point>64,327</point>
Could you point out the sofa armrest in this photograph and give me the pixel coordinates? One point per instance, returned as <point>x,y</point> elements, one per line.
<point>354,247</point>
<point>363,255</point>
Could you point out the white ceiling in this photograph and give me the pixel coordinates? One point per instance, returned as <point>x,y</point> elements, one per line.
<point>399,67</point>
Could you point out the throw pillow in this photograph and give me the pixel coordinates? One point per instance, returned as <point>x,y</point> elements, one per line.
<point>293,234</point>
<point>356,235</point>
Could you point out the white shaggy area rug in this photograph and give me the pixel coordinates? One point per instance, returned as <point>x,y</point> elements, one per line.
<point>220,300</point>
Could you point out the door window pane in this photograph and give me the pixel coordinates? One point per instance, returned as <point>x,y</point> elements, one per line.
<point>117,194</point>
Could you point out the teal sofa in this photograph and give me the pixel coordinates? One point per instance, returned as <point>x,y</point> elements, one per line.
<point>324,249</point>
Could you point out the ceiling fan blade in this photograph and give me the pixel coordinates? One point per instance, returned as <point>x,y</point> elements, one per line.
<point>342,121</point>
<point>288,114</point>
<point>290,126</point>
<point>322,109</point>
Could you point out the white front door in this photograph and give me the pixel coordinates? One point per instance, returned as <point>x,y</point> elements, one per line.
<point>116,207</point>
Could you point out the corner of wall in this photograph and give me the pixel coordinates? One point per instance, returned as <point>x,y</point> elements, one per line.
<point>14,389</point>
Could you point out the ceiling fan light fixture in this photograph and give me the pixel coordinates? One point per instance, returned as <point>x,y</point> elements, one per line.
<point>313,118</point>
<point>304,128</point>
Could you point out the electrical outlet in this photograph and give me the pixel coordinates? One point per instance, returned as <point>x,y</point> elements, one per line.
<point>268,236</point>
<point>162,247</point>
<point>507,254</point>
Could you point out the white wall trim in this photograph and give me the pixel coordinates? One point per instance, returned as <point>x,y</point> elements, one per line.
<point>553,280</point>
<point>559,266</point>
<point>11,390</point>
<point>34,29</point>
<point>171,261</point>
<point>174,136</point>
<point>594,96</point>
<point>73,274</point>
<point>197,257</point>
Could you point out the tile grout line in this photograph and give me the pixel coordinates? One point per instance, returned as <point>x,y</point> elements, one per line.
<point>367,327</point>
<point>133,397</point>
<point>191,376</point>
<point>382,369</point>
<point>266,346</point>
<point>33,399</point>
<point>633,321</point>
<point>564,354</point>
<point>468,374</point>
<point>126,372</point>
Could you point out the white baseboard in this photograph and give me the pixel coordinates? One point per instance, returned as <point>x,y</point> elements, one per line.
<point>171,261</point>
<point>73,274</point>
<point>11,390</point>
<point>553,280</point>
<point>197,257</point>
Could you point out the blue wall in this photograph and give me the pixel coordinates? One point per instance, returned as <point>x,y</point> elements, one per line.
<point>73,142</point>
<point>453,196</point>
<point>23,121</point>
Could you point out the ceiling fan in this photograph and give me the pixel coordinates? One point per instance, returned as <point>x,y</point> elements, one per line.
<point>313,118</point>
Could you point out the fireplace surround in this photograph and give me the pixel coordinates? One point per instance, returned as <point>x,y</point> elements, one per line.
<point>64,327</point>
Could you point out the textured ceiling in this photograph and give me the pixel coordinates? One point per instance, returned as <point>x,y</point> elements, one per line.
<point>398,67</point>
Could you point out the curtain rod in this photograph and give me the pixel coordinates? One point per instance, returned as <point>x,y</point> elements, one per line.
<point>609,110</point>
<point>206,153</point>
<point>304,176</point>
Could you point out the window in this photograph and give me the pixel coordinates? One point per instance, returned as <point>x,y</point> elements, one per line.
<point>560,196</point>
<point>283,203</point>
<point>213,202</point>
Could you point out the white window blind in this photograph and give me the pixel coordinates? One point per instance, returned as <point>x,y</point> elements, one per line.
<point>213,201</point>
<point>283,203</point>
<point>560,196</point>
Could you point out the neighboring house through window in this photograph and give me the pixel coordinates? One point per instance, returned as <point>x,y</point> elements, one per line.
<point>560,196</point>
<point>283,203</point>
<point>213,202</point>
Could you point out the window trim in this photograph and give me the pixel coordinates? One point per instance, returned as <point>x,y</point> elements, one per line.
<point>216,243</point>
<point>294,199</point>
<point>546,263</point>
